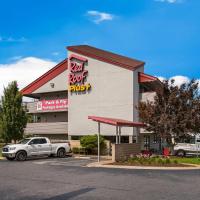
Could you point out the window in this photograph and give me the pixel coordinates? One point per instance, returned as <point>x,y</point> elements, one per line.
<point>155,139</point>
<point>43,141</point>
<point>34,141</point>
<point>24,141</point>
<point>38,141</point>
<point>147,141</point>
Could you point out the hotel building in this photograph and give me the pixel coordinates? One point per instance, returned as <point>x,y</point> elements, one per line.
<point>91,85</point>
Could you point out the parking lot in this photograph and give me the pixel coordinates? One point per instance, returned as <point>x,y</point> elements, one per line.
<point>69,178</point>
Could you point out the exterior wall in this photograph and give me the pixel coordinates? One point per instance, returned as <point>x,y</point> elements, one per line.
<point>55,137</point>
<point>47,128</point>
<point>55,95</point>
<point>136,99</point>
<point>53,117</point>
<point>147,96</point>
<point>121,152</point>
<point>112,94</point>
<point>60,84</point>
<point>75,143</point>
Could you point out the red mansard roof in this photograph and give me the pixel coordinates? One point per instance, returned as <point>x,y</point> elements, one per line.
<point>105,56</point>
<point>116,122</point>
<point>52,73</point>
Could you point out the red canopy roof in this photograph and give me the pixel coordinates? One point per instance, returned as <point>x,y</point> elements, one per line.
<point>143,78</point>
<point>116,122</point>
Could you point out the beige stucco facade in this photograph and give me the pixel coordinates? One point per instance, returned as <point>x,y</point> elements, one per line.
<point>114,93</point>
<point>60,84</point>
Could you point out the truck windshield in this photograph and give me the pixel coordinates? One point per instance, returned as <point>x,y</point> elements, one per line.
<point>24,141</point>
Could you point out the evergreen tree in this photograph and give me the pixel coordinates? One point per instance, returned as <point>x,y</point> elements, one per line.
<point>13,114</point>
<point>0,121</point>
<point>174,112</point>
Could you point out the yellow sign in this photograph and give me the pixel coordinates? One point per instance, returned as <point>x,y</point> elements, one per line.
<point>79,88</point>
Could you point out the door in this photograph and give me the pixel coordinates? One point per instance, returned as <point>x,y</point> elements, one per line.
<point>197,144</point>
<point>45,148</point>
<point>33,147</point>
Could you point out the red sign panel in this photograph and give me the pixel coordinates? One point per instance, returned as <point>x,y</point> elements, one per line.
<point>78,74</point>
<point>49,105</point>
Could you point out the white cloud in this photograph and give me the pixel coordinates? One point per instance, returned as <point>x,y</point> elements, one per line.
<point>98,17</point>
<point>24,71</point>
<point>178,79</point>
<point>169,1</point>
<point>11,39</point>
<point>161,78</point>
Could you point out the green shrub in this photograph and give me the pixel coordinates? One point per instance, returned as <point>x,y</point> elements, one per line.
<point>160,161</point>
<point>149,161</point>
<point>175,161</point>
<point>167,161</point>
<point>90,142</point>
<point>2,144</point>
<point>75,150</point>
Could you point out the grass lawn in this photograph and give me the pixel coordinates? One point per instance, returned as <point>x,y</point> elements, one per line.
<point>188,160</point>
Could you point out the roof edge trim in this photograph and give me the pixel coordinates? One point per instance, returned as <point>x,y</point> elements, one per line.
<point>110,61</point>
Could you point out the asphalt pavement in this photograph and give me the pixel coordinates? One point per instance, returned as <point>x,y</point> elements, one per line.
<point>69,178</point>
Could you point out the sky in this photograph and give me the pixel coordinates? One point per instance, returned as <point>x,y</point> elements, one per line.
<point>162,33</point>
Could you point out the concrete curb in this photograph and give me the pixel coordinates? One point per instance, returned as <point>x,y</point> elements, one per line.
<point>2,158</point>
<point>106,164</point>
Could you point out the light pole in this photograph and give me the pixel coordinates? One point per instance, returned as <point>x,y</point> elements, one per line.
<point>99,131</point>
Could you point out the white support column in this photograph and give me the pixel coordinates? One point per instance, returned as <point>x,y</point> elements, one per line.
<point>120,134</point>
<point>99,132</point>
<point>116,134</point>
<point>130,139</point>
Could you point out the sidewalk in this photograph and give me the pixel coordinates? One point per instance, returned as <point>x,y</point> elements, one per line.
<point>93,157</point>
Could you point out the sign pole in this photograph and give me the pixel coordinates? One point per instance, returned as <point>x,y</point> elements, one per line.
<point>99,131</point>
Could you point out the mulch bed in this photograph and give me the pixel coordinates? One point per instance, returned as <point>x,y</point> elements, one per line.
<point>150,165</point>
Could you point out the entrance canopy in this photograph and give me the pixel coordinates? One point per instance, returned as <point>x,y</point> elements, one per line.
<point>116,122</point>
<point>119,123</point>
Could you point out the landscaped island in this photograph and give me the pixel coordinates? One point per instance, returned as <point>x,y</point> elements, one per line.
<point>160,161</point>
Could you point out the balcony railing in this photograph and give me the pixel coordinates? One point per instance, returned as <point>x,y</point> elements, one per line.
<point>47,128</point>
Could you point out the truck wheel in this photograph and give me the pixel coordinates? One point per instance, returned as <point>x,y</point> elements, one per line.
<point>11,159</point>
<point>61,153</point>
<point>180,153</point>
<point>21,156</point>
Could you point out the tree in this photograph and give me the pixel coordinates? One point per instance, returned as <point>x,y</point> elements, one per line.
<point>174,112</point>
<point>0,121</point>
<point>13,114</point>
<point>90,142</point>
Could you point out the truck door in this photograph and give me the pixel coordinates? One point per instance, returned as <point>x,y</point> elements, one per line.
<point>191,146</point>
<point>198,145</point>
<point>33,147</point>
<point>45,148</point>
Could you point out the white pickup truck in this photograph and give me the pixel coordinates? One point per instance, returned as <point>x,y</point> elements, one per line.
<point>35,146</point>
<point>190,146</point>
